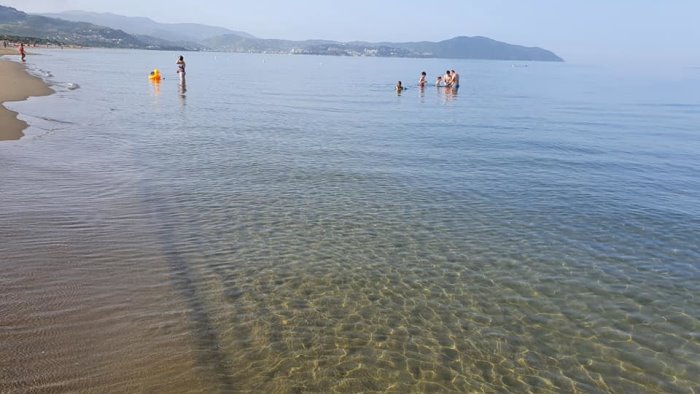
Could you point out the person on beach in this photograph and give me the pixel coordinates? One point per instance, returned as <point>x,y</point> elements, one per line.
<point>21,51</point>
<point>181,69</point>
<point>421,80</point>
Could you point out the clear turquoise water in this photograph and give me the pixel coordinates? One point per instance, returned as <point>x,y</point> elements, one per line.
<point>291,224</point>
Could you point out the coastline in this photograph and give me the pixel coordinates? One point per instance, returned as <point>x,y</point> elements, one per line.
<point>17,85</point>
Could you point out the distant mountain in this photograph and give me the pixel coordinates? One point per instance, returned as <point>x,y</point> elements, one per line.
<point>144,26</point>
<point>147,34</point>
<point>236,43</point>
<point>477,48</point>
<point>455,48</point>
<point>18,23</point>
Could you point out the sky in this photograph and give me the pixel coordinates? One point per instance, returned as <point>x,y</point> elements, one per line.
<point>583,31</point>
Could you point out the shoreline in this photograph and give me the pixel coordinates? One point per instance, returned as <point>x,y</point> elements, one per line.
<point>17,85</point>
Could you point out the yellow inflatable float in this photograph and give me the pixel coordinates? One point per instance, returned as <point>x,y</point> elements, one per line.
<point>154,76</point>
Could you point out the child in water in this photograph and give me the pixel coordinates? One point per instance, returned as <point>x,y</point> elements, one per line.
<point>21,51</point>
<point>399,87</point>
<point>421,81</point>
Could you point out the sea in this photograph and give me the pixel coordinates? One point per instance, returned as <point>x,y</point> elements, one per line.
<point>292,224</point>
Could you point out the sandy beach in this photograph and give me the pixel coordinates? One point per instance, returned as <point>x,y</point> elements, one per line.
<point>17,85</point>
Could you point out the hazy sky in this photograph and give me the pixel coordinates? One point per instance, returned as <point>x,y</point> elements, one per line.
<point>591,31</point>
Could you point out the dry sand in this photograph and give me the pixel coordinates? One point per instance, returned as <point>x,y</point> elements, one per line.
<point>16,85</point>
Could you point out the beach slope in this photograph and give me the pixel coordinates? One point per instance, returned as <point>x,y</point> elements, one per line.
<point>16,85</point>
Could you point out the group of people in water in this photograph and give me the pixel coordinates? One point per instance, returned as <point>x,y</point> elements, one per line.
<point>449,80</point>
<point>155,75</point>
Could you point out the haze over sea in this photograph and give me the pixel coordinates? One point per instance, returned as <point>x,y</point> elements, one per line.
<point>290,224</point>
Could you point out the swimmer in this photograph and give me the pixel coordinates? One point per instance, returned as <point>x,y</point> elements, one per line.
<point>421,80</point>
<point>399,87</point>
<point>438,81</point>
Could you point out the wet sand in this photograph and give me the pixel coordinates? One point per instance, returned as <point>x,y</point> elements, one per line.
<point>17,85</point>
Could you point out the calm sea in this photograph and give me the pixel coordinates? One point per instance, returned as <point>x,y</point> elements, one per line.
<point>289,224</point>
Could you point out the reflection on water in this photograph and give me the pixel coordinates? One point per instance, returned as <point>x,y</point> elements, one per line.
<point>448,93</point>
<point>156,87</point>
<point>300,240</point>
<point>182,90</point>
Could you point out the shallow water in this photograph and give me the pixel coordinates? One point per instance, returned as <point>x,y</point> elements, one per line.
<point>290,224</point>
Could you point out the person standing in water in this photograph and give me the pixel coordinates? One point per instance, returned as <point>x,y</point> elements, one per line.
<point>455,79</point>
<point>181,69</point>
<point>447,79</point>
<point>421,81</point>
<point>21,51</point>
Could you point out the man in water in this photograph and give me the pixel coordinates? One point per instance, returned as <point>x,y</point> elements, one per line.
<point>455,80</point>
<point>447,79</point>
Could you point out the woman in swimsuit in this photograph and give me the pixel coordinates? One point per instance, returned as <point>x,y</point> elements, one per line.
<point>181,69</point>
